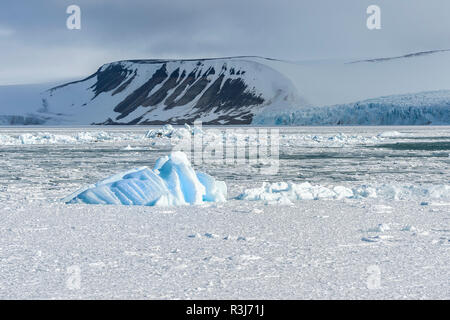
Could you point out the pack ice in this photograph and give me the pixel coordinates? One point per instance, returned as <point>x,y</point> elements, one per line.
<point>286,192</point>
<point>171,182</point>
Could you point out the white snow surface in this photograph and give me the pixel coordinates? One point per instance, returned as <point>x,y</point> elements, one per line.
<point>235,250</point>
<point>172,182</point>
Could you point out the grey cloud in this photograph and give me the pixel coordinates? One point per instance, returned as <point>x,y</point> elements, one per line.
<point>37,46</point>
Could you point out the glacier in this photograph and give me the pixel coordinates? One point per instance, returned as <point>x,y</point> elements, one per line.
<point>422,108</point>
<point>172,182</point>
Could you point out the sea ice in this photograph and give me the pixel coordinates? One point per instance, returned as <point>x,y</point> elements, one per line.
<point>46,138</point>
<point>168,131</point>
<point>286,192</point>
<point>389,134</point>
<point>172,182</point>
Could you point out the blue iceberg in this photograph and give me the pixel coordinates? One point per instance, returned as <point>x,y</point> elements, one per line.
<point>171,182</point>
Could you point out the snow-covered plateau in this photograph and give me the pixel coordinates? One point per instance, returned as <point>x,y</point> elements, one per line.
<point>413,89</point>
<point>351,212</point>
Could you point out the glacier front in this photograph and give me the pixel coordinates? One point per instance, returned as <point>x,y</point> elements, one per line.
<point>171,182</point>
<point>423,108</point>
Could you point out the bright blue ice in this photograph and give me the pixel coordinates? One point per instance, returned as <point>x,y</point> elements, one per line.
<point>172,182</point>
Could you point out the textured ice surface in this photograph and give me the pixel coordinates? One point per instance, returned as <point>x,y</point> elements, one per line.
<point>172,182</point>
<point>233,250</point>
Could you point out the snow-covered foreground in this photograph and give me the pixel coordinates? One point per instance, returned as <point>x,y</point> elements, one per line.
<point>379,226</point>
<point>314,249</point>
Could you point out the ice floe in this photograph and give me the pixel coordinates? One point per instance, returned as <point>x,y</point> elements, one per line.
<point>172,182</point>
<point>333,140</point>
<point>382,227</point>
<point>169,135</point>
<point>45,138</point>
<point>390,134</point>
<point>250,135</point>
<point>168,131</point>
<point>286,192</point>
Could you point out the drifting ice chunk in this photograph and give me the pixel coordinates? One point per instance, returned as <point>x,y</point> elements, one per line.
<point>215,190</point>
<point>389,134</point>
<point>181,178</point>
<point>168,131</point>
<point>172,182</point>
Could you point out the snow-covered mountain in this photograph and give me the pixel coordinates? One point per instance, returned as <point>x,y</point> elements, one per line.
<point>19,104</point>
<point>215,91</point>
<point>410,89</point>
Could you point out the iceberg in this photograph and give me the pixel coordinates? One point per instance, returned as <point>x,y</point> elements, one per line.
<point>172,182</point>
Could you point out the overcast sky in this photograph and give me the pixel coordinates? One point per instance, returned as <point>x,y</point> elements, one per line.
<point>36,46</point>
